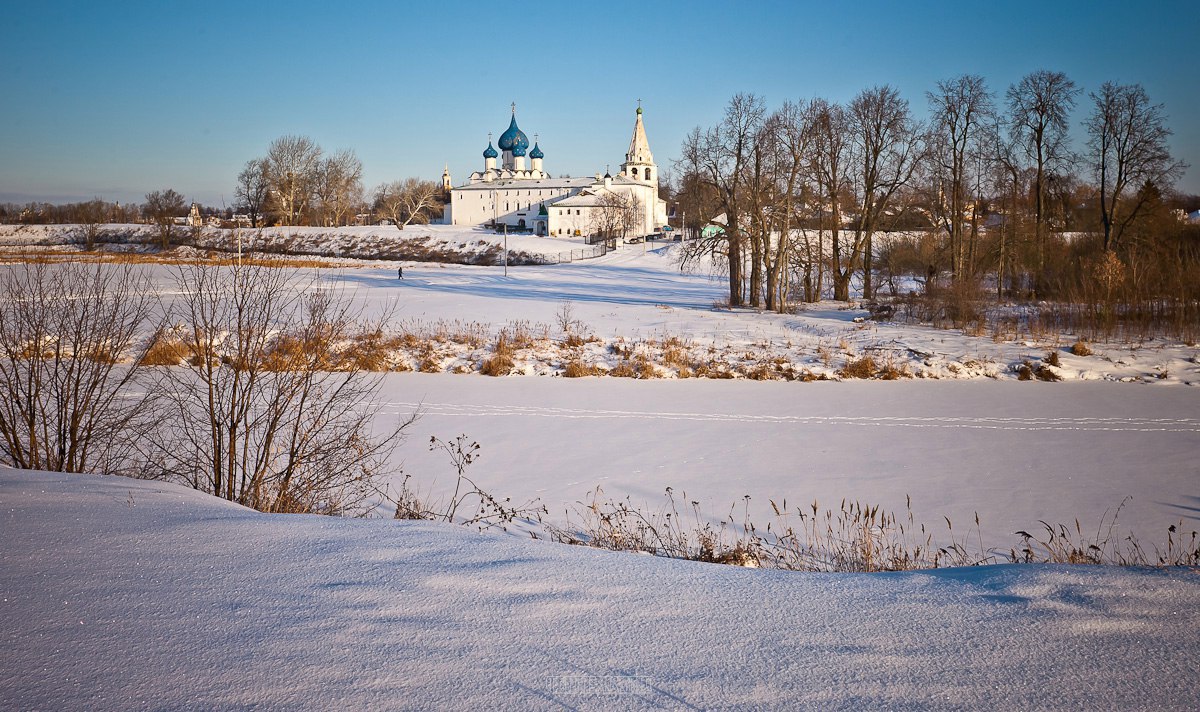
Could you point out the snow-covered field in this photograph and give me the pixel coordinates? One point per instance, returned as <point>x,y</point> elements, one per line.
<point>1014,453</point>
<point>127,594</point>
<point>120,594</point>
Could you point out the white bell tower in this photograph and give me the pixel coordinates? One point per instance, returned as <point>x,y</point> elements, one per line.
<point>639,162</point>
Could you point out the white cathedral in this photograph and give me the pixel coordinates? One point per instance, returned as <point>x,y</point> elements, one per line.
<point>527,198</point>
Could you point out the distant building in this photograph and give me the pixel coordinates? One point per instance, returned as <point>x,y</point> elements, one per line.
<point>529,199</point>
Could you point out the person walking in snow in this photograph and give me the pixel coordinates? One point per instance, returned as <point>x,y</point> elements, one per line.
<point>400,273</point>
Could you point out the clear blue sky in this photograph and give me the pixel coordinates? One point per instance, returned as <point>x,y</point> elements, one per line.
<point>118,99</point>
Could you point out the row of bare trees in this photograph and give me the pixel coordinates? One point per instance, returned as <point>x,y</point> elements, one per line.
<point>226,388</point>
<point>296,183</point>
<point>795,199</point>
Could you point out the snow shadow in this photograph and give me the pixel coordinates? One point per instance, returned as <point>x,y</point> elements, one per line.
<point>1188,509</point>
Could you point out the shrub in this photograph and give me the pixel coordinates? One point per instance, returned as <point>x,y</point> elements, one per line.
<point>1045,373</point>
<point>1025,371</point>
<point>864,367</point>
<point>1080,348</point>
<point>1052,359</point>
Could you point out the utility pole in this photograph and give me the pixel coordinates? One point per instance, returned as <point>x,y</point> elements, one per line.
<point>506,249</point>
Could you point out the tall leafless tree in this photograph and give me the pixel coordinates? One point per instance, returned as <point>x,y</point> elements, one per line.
<point>830,162</point>
<point>292,166</point>
<point>163,206</point>
<point>253,189</point>
<point>337,187</point>
<point>1039,107</point>
<point>90,216</point>
<point>960,109</point>
<point>409,201</point>
<point>886,149</point>
<point>717,158</point>
<point>1127,148</point>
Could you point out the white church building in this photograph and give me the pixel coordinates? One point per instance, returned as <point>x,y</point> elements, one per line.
<point>526,198</point>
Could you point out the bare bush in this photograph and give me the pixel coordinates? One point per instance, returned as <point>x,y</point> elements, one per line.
<point>257,416</point>
<point>65,332</point>
<point>469,505</point>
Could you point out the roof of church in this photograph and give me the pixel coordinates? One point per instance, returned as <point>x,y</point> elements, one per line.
<point>536,152</point>
<point>513,139</point>
<point>529,184</point>
<point>490,152</point>
<point>545,183</point>
<point>639,146</point>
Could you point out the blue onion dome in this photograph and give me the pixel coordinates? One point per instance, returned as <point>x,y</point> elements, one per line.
<point>490,152</point>
<point>513,139</point>
<point>536,152</point>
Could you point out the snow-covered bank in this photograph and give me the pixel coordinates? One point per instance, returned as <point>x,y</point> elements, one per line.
<point>120,594</point>
<point>636,312</point>
<point>427,243</point>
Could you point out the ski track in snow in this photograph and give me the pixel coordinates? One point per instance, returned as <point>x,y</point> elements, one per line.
<point>1178,425</point>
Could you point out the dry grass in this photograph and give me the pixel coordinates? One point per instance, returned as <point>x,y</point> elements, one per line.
<point>368,351</point>
<point>624,369</point>
<point>855,537</point>
<point>165,350</point>
<point>578,369</point>
<point>864,367</point>
<point>500,363</point>
<point>430,364</point>
<point>1080,348</point>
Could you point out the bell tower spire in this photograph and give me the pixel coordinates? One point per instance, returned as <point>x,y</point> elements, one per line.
<point>639,161</point>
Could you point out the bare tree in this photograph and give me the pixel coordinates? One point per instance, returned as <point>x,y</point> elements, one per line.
<point>66,333</point>
<point>831,161</point>
<point>1038,109</point>
<point>960,110</point>
<point>717,159</point>
<point>408,201</point>
<point>615,216</point>
<point>253,189</point>
<point>265,414</point>
<point>1127,148</point>
<point>337,187</point>
<point>163,206</point>
<point>887,150</point>
<point>1011,178</point>
<point>292,166</point>
<point>90,216</point>
<point>780,150</point>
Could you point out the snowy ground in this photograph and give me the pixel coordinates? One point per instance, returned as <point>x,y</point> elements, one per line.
<point>120,594</point>
<point>125,594</point>
<point>1014,453</point>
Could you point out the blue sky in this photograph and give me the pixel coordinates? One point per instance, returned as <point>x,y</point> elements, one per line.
<point>118,99</point>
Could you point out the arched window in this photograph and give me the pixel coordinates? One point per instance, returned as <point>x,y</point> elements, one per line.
<point>647,174</point>
<point>635,174</point>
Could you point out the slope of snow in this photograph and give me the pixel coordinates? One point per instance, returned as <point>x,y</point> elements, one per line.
<point>120,594</point>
